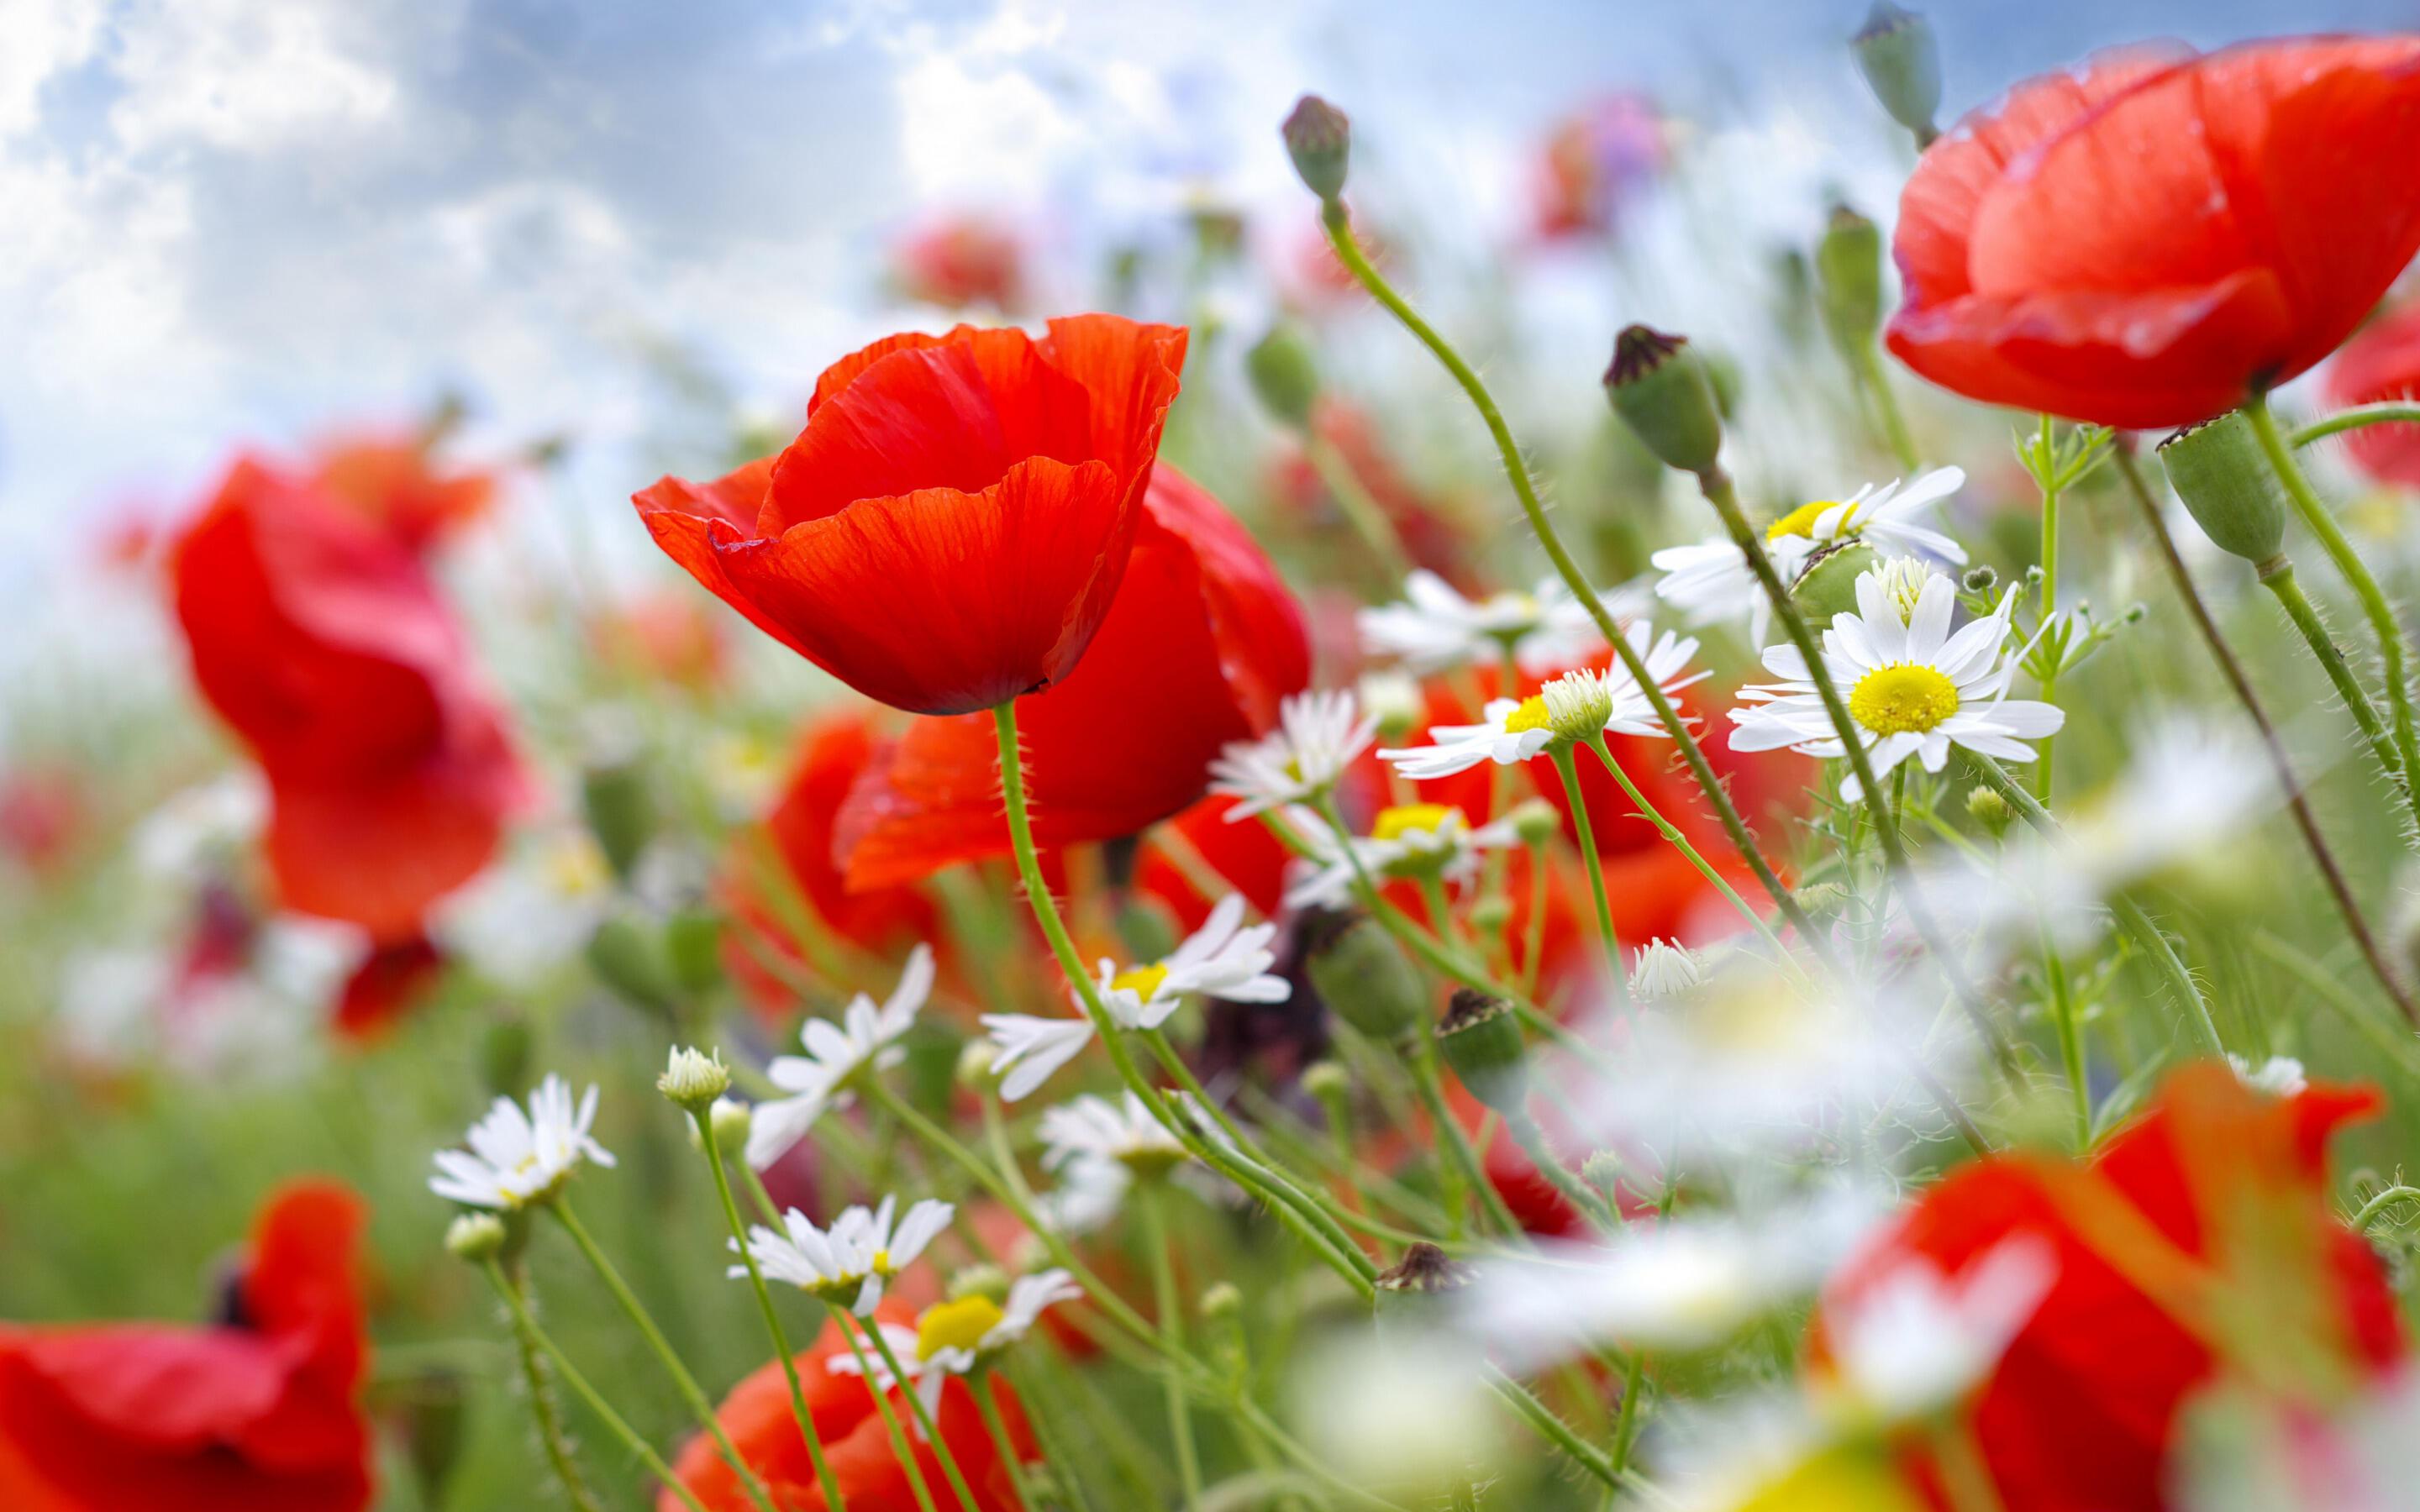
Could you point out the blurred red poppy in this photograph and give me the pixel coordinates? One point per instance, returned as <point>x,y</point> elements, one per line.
<point>950,528</point>
<point>1202,642</point>
<point>1595,162</point>
<point>258,1412</point>
<point>2379,364</point>
<point>2215,1203</point>
<point>2148,243</point>
<point>670,637</point>
<point>323,643</point>
<point>394,482</point>
<point>967,260</point>
<point>759,1420</point>
<point>1197,857</point>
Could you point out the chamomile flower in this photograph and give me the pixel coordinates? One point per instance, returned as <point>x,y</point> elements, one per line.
<point>1578,705</point>
<point>867,1038</point>
<point>849,1263</point>
<point>1032,1049</point>
<point>2279,1075</point>
<point>1663,970</point>
<point>1436,627</point>
<point>1409,839</point>
<point>1711,582</point>
<point>1912,686</point>
<point>1122,1132</point>
<point>962,1335</point>
<point>1317,736</point>
<point>518,1158</point>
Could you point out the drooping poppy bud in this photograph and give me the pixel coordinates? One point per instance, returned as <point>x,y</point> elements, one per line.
<point>1284,375</point>
<point>2219,472</point>
<point>1828,584</point>
<point>1661,391</point>
<point>1901,58</point>
<point>1319,138</point>
<point>1849,277</point>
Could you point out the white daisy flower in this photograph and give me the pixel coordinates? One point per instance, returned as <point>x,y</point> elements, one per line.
<point>959,1337</point>
<point>1574,706</point>
<point>1089,1195</point>
<point>2279,1075</point>
<point>1032,1049</point>
<point>1917,1341</point>
<point>1914,687</point>
<point>1436,627</point>
<point>1711,582</point>
<point>867,1038</point>
<point>1097,1148</point>
<point>1409,839</point>
<point>851,1262</point>
<point>1317,736</point>
<point>518,1158</point>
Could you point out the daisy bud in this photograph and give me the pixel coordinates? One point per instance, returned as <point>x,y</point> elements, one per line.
<point>1660,390</point>
<point>621,811</point>
<point>1319,138</point>
<point>1326,1081</point>
<point>475,1238</point>
<point>1491,914</point>
<point>1222,1301</point>
<point>630,960</point>
<point>1988,808</point>
<point>1665,970</point>
<point>987,1281</point>
<point>1601,1170</point>
<point>1481,1040</point>
<point>2218,470</point>
<point>691,1080</point>
<point>975,1058</point>
<point>1828,584</point>
<point>1419,1287</point>
<point>730,1119</point>
<point>1393,699</point>
<point>1578,704</point>
<point>1535,820</point>
<point>1283,375</point>
<point>1980,579</point>
<point>1360,972</point>
<point>1901,58</point>
<point>1848,273</point>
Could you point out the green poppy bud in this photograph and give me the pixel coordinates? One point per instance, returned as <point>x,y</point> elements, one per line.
<point>1481,1041</point>
<point>1319,138</point>
<point>1284,376</point>
<point>1416,1291</point>
<point>2219,472</point>
<point>1360,972</point>
<point>1901,58</point>
<point>1660,390</point>
<point>1849,272</point>
<point>621,810</point>
<point>693,950</point>
<point>1828,585</point>
<point>628,958</point>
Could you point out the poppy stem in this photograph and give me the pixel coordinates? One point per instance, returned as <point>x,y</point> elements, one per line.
<point>1339,236</point>
<point>1362,511</point>
<point>2355,418</point>
<point>1567,767</point>
<point>901,1449</point>
<point>1465,1167</point>
<point>645,1452</point>
<point>1172,1324</point>
<point>550,1436</point>
<point>2047,745</point>
<point>2277,575</point>
<point>1585,1199</point>
<point>704,1118</point>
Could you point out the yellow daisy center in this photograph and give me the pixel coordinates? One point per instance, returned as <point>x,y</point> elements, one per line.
<point>1405,818</point>
<point>1530,716</point>
<point>955,1325</point>
<point>1800,521</point>
<point>1142,980</point>
<point>881,1262</point>
<point>1901,699</point>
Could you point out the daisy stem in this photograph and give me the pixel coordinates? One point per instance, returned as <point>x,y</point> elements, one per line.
<point>2357,575</point>
<point>1679,841</point>
<point>1441,917</point>
<point>1430,1082</point>
<point>1055,1451</point>
<point>2070,1040</point>
<point>1541,1418</point>
<point>988,1404</point>
<point>682,1381</point>
<point>1532,1140</point>
<point>1633,1373</point>
<point>925,1419</point>
<point>2050,492</point>
<point>1172,1323</point>
<point>704,1118</point>
<point>1567,767</point>
<point>530,1345</point>
<point>900,1448</point>
<point>526,1324</point>
<point>2359,415</point>
<point>2231,667</point>
<point>1339,236</point>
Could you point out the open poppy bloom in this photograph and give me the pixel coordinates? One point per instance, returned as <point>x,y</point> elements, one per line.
<point>321,641</point>
<point>258,1412</point>
<point>758,1418</point>
<point>394,482</point>
<point>1201,642</point>
<point>2149,243</point>
<point>2205,1223</point>
<point>949,531</point>
<point>2381,363</point>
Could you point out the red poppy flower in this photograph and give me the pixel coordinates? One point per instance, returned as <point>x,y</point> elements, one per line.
<point>832,753</point>
<point>385,984</point>
<point>2148,243</point>
<point>950,528</point>
<point>321,641</point>
<point>2077,1418</point>
<point>394,482</point>
<point>870,1478</point>
<point>2379,364</point>
<point>257,1413</point>
<point>962,262</point>
<point>1201,643</point>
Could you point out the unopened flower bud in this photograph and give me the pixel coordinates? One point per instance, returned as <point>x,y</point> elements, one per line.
<point>1989,809</point>
<point>1221,1300</point>
<point>1395,699</point>
<point>1283,375</point>
<point>1901,58</point>
<point>1491,914</point>
<point>1319,138</point>
<point>621,810</point>
<point>1980,579</point>
<point>1419,1288</point>
<point>2219,472</point>
<point>1665,970</point>
<point>1601,1170</point>
<point>692,1080</point>
<point>1481,1041</point>
<point>1578,704</point>
<point>475,1238</point>
<point>627,958</point>
<point>730,1119</point>
<point>1828,584</point>
<point>975,1058</point>
<point>1360,972</point>
<point>1326,1081</point>
<point>1849,275</point>
<point>1534,821</point>
<point>1660,390</point>
<point>693,950</point>
<point>989,1281</point>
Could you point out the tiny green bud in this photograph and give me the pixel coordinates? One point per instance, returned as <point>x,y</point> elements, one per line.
<point>1988,808</point>
<point>1901,58</point>
<point>1578,704</point>
<point>1660,390</point>
<point>1491,914</point>
<point>692,1080</point>
<point>989,1281</point>
<point>1416,1291</point>
<point>1828,584</point>
<point>1822,899</point>
<point>2219,472</point>
<point>1319,138</point>
<point>693,950</point>
<point>1981,578</point>
<point>975,1060</point>
<point>1283,375</point>
<point>1221,1300</point>
<point>1481,1041</point>
<point>1534,821</point>
<point>730,1119</point>
<point>475,1238</point>
<point>621,810</point>
<point>1326,1081</point>
<point>1601,1170</point>
<point>1359,971</point>
<point>629,959</point>
<point>1848,273</point>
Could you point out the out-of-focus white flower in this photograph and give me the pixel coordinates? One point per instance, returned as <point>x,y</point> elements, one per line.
<point>1317,736</point>
<point>1912,687</point>
<point>1032,1049</point>
<point>867,1038</point>
<point>2279,1075</point>
<point>959,1337</point>
<point>198,829</point>
<point>1096,1147</point>
<point>1404,1416</point>
<point>849,1263</point>
<point>1409,839</point>
<point>743,771</point>
<point>1435,628</point>
<point>1664,970</point>
<point>518,1158</point>
<point>1916,1341</point>
<point>1711,582</point>
<point>519,920</point>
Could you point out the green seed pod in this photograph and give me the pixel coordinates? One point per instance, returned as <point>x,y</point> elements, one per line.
<point>1660,390</point>
<point>1360,972</point>
<point>693,950</point>
<point>1849,272</point>
<point>504,1057</point>
<point>1481,1041</point>
<point>1415,1294</point>
<point>1901,58</point>
<point>621,810</point>
<point>628,958</point>
<point>1319,138</point>
<point>1284,375</point>
<point>1828,586</point>
<point>2219,472</point>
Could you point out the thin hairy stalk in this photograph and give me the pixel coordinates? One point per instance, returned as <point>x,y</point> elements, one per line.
<point>2277,575</point>
<point>1172,1324</point>
<point>1468,1171</point>
<point>1533,1141</point>
<point>1679,841</point>
<point>1362,511</point>
<point>551,1436</point>
<point>900,1449</point>
<point>2048,745</point>
<point>2355,418</point>
<point>1541,1418</point>
<point>1567,767</point>
<point>980,1387</point>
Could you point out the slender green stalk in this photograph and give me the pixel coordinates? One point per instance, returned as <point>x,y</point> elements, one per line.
<point>1634,1374</point>
<point>682,1381</point>
<point>2277,575</point>
<point>1679,842</point>
<point>705,1121</point>
<point>980,1387</point>
<point>2051,491</point>
<point>1339,236</point>
<point>1567,768</point>
<point>1533,1141</point>
<point>1172,1324</point>
<point>629,1436</point>
<point>941,1450</point>
<point>900,1448</point>
<point>1464,1163</point>
<point>551,1434</point>
<point>2353,419</point>
<point>1363,512</point>
<point>1552,1428</point>
<point>1869,364</point>
<point>2369,1211</point>
<point>1055,1452</point>
<point>1534,928</point>
<point>2070,1040</point>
